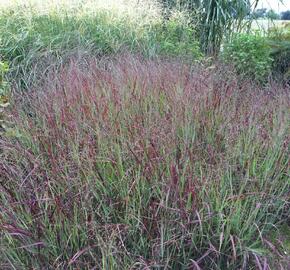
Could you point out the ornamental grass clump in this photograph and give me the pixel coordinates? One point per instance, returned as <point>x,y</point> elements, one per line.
<point>134,164</point>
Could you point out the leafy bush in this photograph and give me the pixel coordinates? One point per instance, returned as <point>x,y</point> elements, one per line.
<point>279,39</point>
<point>250,56</point>
<point>176,37</point>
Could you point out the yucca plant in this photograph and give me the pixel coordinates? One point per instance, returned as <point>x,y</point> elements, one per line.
<point>215,19</point>
<point>220,19</point>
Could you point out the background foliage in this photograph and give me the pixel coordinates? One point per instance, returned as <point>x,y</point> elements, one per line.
<point>280,44</point>
<point>250,56</point>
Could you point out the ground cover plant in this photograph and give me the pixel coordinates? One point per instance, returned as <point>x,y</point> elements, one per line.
<point>131,139</point>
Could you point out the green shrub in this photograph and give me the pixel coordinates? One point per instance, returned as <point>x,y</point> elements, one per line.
<point>280,44</point>
<point>250,56</point>
<point>177,37</point>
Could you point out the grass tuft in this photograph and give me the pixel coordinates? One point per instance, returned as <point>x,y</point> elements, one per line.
<point>138,164</point>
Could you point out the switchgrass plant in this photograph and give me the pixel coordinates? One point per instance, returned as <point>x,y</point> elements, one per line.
<point>49,34</point>
<point>145,164</point>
